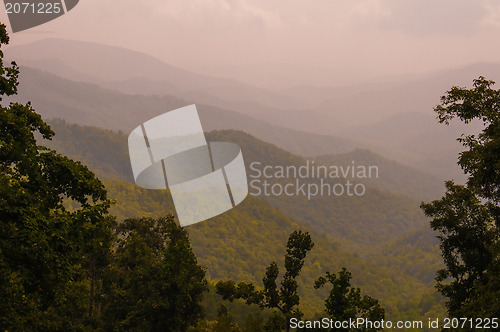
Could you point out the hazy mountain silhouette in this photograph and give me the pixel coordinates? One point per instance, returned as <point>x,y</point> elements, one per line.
<point>417,139</point>
<point>368,103</point>
<point>90,104</point>
<point>133,72</point>
<point>414,139</point>
<point>114,64</point>
<point>392,116</point>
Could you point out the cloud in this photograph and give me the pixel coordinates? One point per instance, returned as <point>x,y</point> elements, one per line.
<point>492,17</point>
<point>217,12</point>
<point>376,36</point>
<point>422,17</point>
<point>373,9</point>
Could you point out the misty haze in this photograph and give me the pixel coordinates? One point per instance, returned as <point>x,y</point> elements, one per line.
<point>318,84</point>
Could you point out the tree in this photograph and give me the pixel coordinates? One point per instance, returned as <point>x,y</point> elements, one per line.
<point>283,298</point>
<point>345,303</point>
<point>466,236</point>
<point>55,233</point>
<point>155,283</point>
<point>224,322</point>
<point>468,217</point>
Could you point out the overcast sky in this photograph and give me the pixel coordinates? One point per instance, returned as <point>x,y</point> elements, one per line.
<point>381,37</point>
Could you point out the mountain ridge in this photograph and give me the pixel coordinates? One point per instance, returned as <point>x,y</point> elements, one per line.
<point>90,104</point>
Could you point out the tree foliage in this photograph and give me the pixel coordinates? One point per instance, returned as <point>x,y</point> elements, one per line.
<point>55,233</point>
<point>155,283</point>
<point>284,297</point>
<point>345,303</point>
<point>468,217</point>
<point>64,264</point>
<point>481,162</point>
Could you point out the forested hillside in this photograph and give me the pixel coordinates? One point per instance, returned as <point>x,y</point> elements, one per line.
<point>357,222</point>
<point>394,177</point>
<point>240,243</point>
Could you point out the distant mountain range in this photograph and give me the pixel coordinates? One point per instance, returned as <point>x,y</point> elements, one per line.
<point>401,136</point>
<point>392,117</point>
<point>370,103</point>
<point>90,104</point>
<point>133,72</point>
<point>91,62</point>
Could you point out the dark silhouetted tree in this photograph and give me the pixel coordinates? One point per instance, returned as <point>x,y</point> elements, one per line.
<point>345,302</point>
<point>55,234</point>
<point>156,282</point>
<point>284,297</point>
<point>468,217</point>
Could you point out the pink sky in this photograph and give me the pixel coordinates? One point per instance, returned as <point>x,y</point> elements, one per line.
<point>363,37</point>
